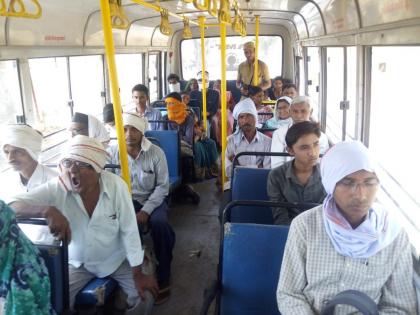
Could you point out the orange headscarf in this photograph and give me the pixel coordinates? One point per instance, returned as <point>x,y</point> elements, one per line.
<point>177,111</point>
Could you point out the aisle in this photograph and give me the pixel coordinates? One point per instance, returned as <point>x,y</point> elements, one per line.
<point>196,251</point>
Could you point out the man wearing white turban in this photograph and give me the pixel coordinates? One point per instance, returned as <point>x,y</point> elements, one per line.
<point>150,186</point>
<point>348,243</point>
<point>92,210</point>
<point>87,125</point>
<point>22,147</point>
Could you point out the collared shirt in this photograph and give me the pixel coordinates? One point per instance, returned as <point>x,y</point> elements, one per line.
<point>152,114</point>
<point>12,181</point>
<point>246,72</point>
<point>313,272</point>
<point>278,144</point>
<point>237,143</point>
<point>284,186</point>
<point>148,173</point>
<point>101,242</point>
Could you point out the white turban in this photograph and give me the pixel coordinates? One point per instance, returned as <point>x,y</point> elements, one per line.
<point>86,149</point>
<point>136,121</point>
<point>24,137</point>
<point>97,130</point>
<point>343,159</point>
<point>246,106</point>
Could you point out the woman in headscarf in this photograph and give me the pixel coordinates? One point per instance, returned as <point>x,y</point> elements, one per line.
<point>24,281</point>
<point>281,114</point>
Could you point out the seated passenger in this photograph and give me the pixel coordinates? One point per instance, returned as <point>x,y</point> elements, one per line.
<point>22,147</point>
<point>174,83</point>
<point>348,243</point>
<point>290,90</point>
<point>25,285</point>
<point>297,180</point>
<point>92,210</point>
<point>140,96</point>
<point>257,94</point>
<point>281,114</point>
<point>109,119</point>
<point>149,186</point>
<point>185,96</point>
<point>246,138</point>
<point>87,125</point>
<point>275,92</point>
<point>300,110</point>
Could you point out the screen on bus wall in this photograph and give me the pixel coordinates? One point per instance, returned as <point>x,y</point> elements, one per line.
<point>270,51</point>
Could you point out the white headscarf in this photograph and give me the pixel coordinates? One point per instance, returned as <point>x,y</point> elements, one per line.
<point>246,106</point>
<point>97,130</point>
<point>140,123</point>
<point>378,230</point>
<point>24,137</point>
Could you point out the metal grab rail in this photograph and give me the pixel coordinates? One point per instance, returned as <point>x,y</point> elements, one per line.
<point>17,9</point>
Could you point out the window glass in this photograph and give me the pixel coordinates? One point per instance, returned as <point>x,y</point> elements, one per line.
<point>153,79</point>
<point>335,84</point>
<point>87,84</point>
<point>163,60</point>
<point>301,77</point>
<point>130,69</point>
<point>50,94</point>
<point>270,51</point>
<point>393,132</point>
<point>314,74</point>
<point>351,92</point>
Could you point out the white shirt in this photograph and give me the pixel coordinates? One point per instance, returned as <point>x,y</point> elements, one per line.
<point>278,144</point>
<point>11,183</point>
<point>101,243</point>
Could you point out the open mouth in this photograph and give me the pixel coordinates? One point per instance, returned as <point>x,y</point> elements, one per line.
<point>75,182</point>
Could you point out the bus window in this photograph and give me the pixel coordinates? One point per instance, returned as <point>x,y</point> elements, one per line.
<point>313,79</point>
<point>335,84</point>
<point>50,94</point>
<point>153,76</point>
<point>87,83</point>
<point>394,117</point>
<point>130,69</point>
<point>9,92</point>
<point>270,51</point>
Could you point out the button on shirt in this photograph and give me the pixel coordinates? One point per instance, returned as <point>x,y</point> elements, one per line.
<point>284,186</point>
<point>101,242</point>
<point>313,272</point>
<point>149,175</point>
<point>12,181</point>
<point>237,143</point>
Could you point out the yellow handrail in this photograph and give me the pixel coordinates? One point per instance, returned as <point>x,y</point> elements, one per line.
<point>201,21</point>
<point>255,80</point>
<point>165,27</point>
<point>199,6</point>
<point>118,17</point>
<point>110,59</point>
<point>186,33</point>
<point>223,96</point>
<point>17,9</point>
<point>212,9</point>
<point>224,12</point>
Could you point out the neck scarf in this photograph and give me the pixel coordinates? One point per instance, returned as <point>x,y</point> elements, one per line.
<point>24,281</point>
<point>24,137</point>
<point>378,230</point>
<point>83,149</point>
<point>176,111</point>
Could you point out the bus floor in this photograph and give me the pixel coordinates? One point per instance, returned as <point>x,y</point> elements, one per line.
<point>195,256</point>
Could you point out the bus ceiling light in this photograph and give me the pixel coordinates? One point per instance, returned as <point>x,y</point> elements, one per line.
<point>224,12</point>
<point>119,19</point>
<point>17,9</point>
<point>165,28</point>
<point>186,33</point>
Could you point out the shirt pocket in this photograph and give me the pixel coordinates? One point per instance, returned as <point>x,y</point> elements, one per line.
<point>147,179</point>
<point>109,224</point>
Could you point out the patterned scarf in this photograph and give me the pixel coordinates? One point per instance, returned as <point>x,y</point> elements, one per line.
<point>24,281</point>
<point>177,111</point>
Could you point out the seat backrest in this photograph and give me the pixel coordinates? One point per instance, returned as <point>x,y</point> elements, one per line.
<point>250,184</point>
<point>250,268</point>
<point>169,143</point>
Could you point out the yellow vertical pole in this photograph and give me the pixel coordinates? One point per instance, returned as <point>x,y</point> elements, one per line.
<point>110,60</point>
<point>223,96</point>
<point>255,80</point>
<point>201,21</point>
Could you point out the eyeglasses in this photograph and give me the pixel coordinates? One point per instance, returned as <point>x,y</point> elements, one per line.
<point>352,186</point>
<point>68,163</point>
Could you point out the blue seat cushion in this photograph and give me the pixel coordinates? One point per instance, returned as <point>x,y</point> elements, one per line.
<point>174,181</point>
<point>96,291</point>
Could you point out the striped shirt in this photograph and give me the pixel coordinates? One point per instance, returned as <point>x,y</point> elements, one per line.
<point>313,272</point>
